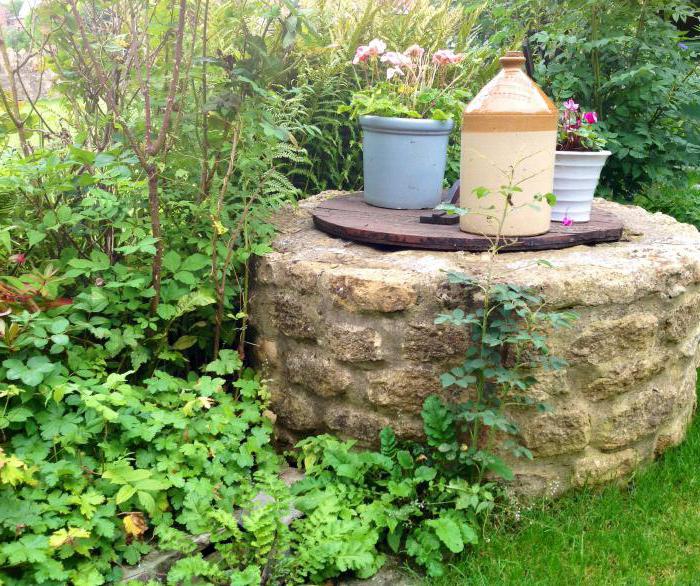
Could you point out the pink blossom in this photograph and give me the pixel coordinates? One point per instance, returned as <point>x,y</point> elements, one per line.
<point>590,117</point>
<point>377,47</point>
<point>567,221</point>
<point>362,53</point>
<point>446,57</point>
<point>396,59</point>
<point>571,105</point>
<point>415,52</point>
<point>392,71</point>
<point>20,258</point>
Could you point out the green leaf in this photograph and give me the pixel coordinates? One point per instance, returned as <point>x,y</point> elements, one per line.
<point>425,473</point>
<point>60,339</point>
<point>449,533</point>
<point>404,459</point>
<point>147,501</point>
<point>228,362</point>
<point>124,493</point>
<point>192,301</point>
<point>195,262</point>
<point>185,277</point>
<point>498,466</point>
<point>393,538</point>
<point>100,260</point>
<point>172,261</point>
<point>185,342</point>
<point>35,237</point>
<point>58,325</point>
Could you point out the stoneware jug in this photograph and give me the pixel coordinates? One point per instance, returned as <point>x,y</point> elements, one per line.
<point>509,135</point>
<point>404,161</point>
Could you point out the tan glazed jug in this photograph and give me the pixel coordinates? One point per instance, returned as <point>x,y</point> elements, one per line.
<point>509,134</point>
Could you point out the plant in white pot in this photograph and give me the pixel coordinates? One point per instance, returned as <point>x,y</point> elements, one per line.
<point>580,158</point>
<point>406,106</point>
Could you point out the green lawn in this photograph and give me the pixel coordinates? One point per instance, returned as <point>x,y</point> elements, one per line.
<point>645,533</point>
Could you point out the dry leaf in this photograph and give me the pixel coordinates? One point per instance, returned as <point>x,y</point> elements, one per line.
<point>135,524</point>
<point>206,402</point>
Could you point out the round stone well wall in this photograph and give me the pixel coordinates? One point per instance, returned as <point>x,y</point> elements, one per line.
<point>344,334</point>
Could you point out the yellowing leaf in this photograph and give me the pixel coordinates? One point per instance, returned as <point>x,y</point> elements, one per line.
<point>67,536</point>
<point>14,471</point>
<point>134,524</point>
<point>219,227</point>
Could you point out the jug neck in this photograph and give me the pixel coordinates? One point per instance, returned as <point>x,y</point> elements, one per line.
<point>513,60</point>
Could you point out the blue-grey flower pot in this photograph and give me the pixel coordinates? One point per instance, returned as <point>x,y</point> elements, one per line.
<point>404,161</point>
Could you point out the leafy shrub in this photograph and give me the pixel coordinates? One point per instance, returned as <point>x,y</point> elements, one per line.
<point>680,201</point>
<point>628,62</point>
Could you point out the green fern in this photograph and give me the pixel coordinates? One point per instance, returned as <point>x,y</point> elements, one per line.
<point>388,443</point>
<point>438,422</point>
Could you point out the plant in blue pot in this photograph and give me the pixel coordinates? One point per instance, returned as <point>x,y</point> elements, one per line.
<point>406,106</point>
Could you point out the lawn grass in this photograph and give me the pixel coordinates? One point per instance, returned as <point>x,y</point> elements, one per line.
<point>645,533</point>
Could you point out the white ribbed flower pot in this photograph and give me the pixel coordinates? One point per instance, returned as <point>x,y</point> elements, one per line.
<point>576,175</point>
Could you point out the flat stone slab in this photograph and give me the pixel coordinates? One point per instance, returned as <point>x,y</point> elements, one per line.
<point>349,217</point>
<point>344,332</point>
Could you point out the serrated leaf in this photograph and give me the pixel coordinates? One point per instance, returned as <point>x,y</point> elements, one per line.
<point>147,501</point>
<point>124,493</point>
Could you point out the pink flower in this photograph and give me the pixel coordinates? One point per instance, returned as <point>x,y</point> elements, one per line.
<point>396,59</point>
<point>446,57</point>
<point>20,258</point>
<point>392,71</point>
<point>567,221</point>
<point>590,117</point>
<point>571,105</point>
<point>362,53</point>
<point>377,47</point>
<point>414,51</point>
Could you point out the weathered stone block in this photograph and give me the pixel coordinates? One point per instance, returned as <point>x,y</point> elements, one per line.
<point>349,343</point>
<point>683,320</point>
<point>673,433</point>
<point>555,432</point>
<point>403,389</point>
<point>603,339</point>
<point>424,342</point>
<point>294,318</point>
<point>369,291</point>
<point>348,420</point>
<point>635,417</point>
<point>295,409</point>
<point>317,373</point>
<point>622,373</point>
<point>598,468</point>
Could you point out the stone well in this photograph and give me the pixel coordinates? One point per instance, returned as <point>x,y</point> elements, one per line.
<point>344,332</point>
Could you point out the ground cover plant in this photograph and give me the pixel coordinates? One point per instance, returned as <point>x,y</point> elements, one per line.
<point>133,198</point>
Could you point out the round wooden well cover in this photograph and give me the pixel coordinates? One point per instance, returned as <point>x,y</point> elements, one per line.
<point>349,217</point>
